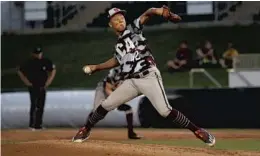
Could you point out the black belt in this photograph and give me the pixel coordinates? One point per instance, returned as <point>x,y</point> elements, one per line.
<point>140,74</point>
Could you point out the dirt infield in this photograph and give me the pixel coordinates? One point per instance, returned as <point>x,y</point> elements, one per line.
<point>112,142</point>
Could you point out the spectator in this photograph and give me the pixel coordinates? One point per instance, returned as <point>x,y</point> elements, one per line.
<point>228,55</point>
<point>206,55</point>
<point>183,58</point>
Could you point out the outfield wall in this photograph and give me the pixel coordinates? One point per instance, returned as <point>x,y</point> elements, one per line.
<point>209,108</point>
<point>244,78</point>
<point>62,109</point>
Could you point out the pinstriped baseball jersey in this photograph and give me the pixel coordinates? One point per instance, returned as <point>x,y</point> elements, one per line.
<point>132,51</point>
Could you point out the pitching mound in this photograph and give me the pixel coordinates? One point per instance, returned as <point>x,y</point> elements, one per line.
<point>113,142</point>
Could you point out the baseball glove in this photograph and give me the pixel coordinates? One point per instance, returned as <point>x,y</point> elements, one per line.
<point>168,15</point>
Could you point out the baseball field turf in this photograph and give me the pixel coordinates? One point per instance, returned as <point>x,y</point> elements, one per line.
<point>111,142</point>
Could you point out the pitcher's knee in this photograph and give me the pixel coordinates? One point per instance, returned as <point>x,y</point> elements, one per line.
<point>107,105</point>
<point>164,113</point>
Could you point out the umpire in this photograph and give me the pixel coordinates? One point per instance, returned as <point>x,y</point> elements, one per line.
<point>37,74</point>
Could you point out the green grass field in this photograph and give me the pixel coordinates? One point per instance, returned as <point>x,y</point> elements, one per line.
<point>221,144</point>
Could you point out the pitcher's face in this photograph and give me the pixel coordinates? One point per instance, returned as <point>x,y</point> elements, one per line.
<point>118,23</point>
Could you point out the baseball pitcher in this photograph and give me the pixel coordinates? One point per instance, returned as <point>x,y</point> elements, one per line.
<point>104,89</point>
<point>140,73</point>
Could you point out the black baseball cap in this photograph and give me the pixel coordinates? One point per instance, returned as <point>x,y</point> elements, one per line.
<point>37,50</point>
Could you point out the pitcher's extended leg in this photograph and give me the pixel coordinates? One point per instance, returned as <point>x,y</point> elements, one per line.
<point>159,100</point>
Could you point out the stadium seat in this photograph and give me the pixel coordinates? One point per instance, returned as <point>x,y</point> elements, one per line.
<point>68,12</point>
<point>134,9</point>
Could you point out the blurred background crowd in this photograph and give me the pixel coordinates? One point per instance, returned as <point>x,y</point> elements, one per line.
<point>205,57</point>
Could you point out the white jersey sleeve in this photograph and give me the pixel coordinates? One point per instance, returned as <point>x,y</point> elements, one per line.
<point>137,25</point>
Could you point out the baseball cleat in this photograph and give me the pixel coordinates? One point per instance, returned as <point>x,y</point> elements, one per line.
<point>206,137</point>
<point>82,135</point>
<point>36,128</point>
<point>133,135</point>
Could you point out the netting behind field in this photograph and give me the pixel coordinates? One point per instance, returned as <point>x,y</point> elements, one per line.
<point>247,62</point>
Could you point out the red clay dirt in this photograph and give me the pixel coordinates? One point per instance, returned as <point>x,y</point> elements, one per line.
<point>110,142</point>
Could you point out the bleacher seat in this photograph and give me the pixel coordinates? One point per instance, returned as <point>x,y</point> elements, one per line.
<point>68,13</point>
<point>135,9</point>
<point>222,6</point>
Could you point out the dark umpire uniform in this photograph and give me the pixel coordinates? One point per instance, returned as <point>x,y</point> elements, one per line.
<point>37,73</point>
